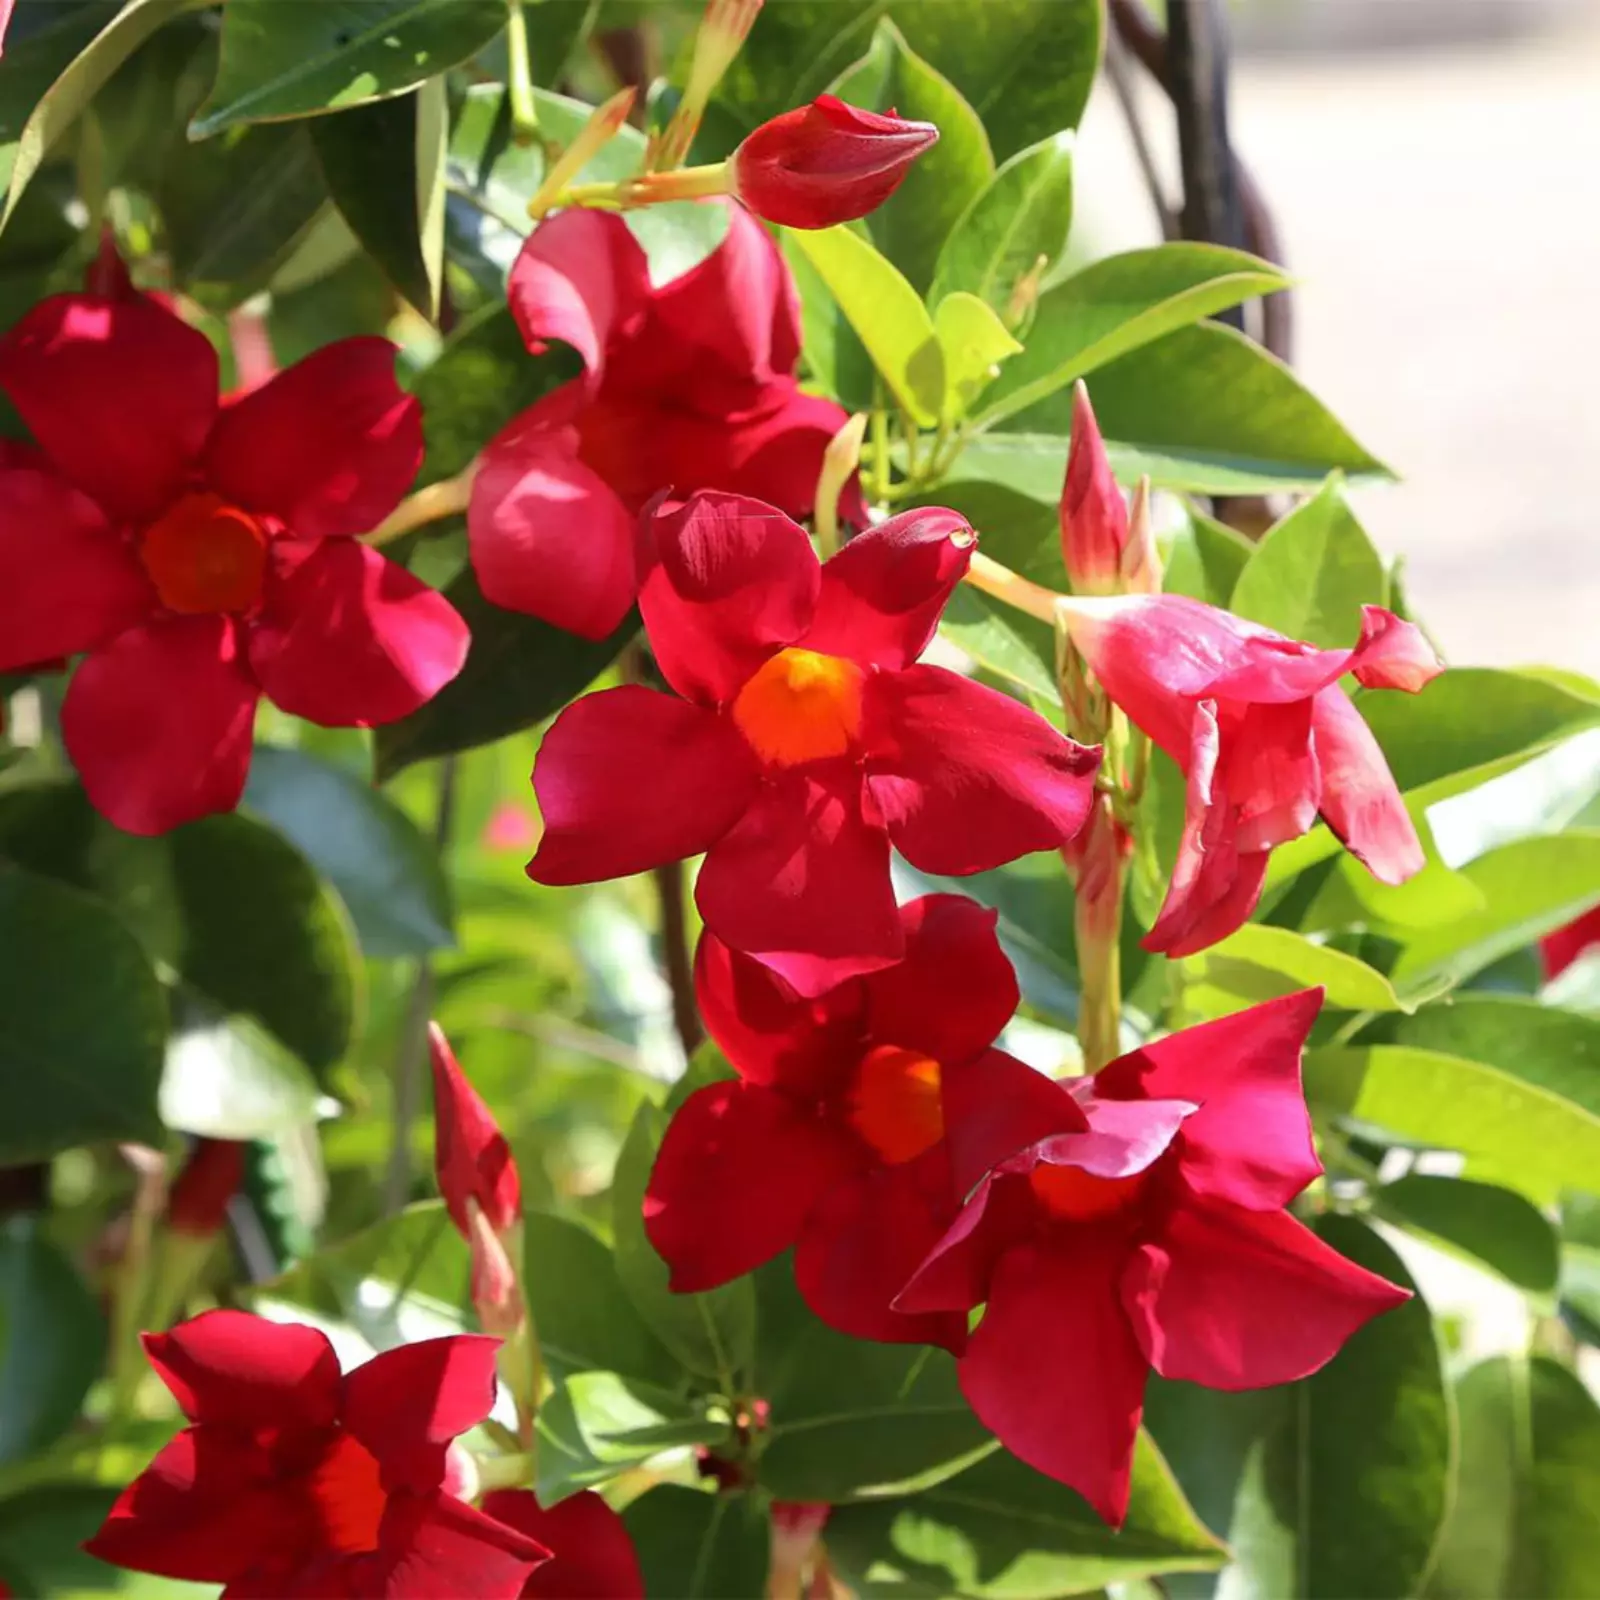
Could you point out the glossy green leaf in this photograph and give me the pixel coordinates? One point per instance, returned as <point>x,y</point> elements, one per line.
<point>1259,962</point>
<point>1017,647</point>
<point>1523,1521</point>
<point>1117,305</point>
<point>52,1338</point>
<point>1491,1225</point>
<point>698,1546</point>
<point>298,60</point>
<point>832,354</point>
<point>1205,559</point>
<point>712,1333</point>
<point>85,1023</point>
<point>912,225</point>
<point>886,313</point>
<point>386,872</point>
<point>1001,1531</point>
<point>228,1078</point>
<point>1312,573</point>
<point>1015,229</point>
<point>975,342</point>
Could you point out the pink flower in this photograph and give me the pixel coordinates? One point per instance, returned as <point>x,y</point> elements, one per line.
<point>1267,738</point>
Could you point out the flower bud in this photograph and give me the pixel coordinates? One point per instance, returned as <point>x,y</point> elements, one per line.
<point>1141,561</point>
<point>825,163</point>
<point>1094,516</point>
<point>721,36</point>
<point>198,1201</point>
<point>471,1157</point>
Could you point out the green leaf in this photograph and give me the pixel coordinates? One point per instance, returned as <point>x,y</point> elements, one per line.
<point>1017,647</point>
<point>388,875</point>
<point>1205,559</point>
<point>1016,227</point>
<point>52,1338</point>
<point>1001,1531</point>
<point>1117,305</point>
<point>886,313</point>
<point>975,342</point>
<point>585,1322</point>
<point>1489,1224</point>
<point>85,1023</point>
<point>1260,962</point>
<point>298,60</point>
<point>1523,1521</point>
<point>834,357</point>
<point>518,672</point>
<point>1313,572</point>
<point>697,1546</point>
<point>712,1333</point>
<point>42,1531</point>
<point>228,1078</point>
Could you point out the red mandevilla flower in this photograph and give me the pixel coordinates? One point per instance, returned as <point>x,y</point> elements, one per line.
<point>201,553</point>
<point>1267,738</point>
<point>805,742</point>
<point>686,386</point>
<point>295,1480</point>
<point>832,1139</point>
<point>1145,1228</point>
<point>825,163</point>
<point>1567,944</point>
<point>591,1555</point>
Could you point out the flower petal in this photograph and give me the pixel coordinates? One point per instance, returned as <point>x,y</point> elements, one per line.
<point>437,1545</point>
<point>738,1171</point>
<point>802,881</point>
<point>548,535</point>
<point>968,778</point>
<point>159,723</point>
<point>1360,799</point>
<point>882,593</point>
<point>628,779</point>
<point>67,581</point>
<point>120,394</point>
<point>1272,777</point>
<point>768,1033</point>
<point>731,582</point>
<point>1391,654</point>
<point>591,1555</point>
<point>1243,1299</point>
<point>349,638</point>
<point>1053,1368</point>
<point>1250,1142</point>
<point>995,1107</point>
<point>959,1268</point>
<point>328,446</point>
<point>232,1368</point>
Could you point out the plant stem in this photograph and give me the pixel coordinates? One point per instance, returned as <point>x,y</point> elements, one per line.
<point>1098,864</point>
<point>524,111</point>
<point>1022,594</point>
<point>447,498</point>
<point>676,956</point>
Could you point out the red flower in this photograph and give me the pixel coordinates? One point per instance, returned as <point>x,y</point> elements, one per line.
<point>200,553</point>
<point>832,1139</point>
<point>1145,1228</point>
<point>686,386</point>
<point>826,162</point>
<point>591,1555</point>
<point>1093,515</point>
<point>1561,948</point>
<point>807,740</point>
<point>211,1176</point>
<point>293,1480</point>
<point>1267,737</point>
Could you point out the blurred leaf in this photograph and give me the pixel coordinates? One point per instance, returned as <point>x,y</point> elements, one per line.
<point>1205,559</point>
<point>831,351</point>
<point>887,314</point>
<point>387,873</point>
<point>52,1340</point>
<point>1016,225</point>
<point>1490,1224</point>
<point>518,672</point>
<point>1119,304</point>
<point>1312,573</point>
<point>1523,1521</point>
<point>228,1078</point>
<point>43,40</point>
<point>712,1333</point>
<point>297,60</point>
<point>975,342</point>
<point>84,1023</point>
<point>1002,639</point>
<point>556,29</point>
<point>1260,962</point>
<point>695,1546</point>
<point>41,1540</point>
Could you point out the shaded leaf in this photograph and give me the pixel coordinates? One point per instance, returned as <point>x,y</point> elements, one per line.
<point>695,1546</point>
<point>1490,1224</point>
<point>228,1078</point>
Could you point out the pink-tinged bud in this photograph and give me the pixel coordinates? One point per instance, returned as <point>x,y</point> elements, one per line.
<point>796,1527</point>
<point>1094,516</point>
<point>1141,561</point>
<point>471,1157</point>
<point>825,163</point>
<point>107,275</point>
<point>496,1295</point>
<point>198,1202</point>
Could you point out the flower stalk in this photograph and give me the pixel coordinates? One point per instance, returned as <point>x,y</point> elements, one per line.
<point>519,77</point>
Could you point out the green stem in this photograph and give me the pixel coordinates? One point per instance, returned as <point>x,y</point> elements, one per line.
<point>524,111</point>
<point>505,1472</point>
<point>880,448</point>
<point>1100,968</point>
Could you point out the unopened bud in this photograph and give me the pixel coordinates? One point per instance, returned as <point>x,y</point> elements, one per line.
<point>840,462</point>
<point>1141,561</point>
<point>723,30</point>
<point>472,1160</point>
<point>197,1204</point>
<point>605,121</point>
<point>1094,516</point>
<point>496,1296</point>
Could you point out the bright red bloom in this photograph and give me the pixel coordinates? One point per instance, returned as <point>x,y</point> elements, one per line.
<point>1561,948</point>
<point>833,1138</point>
<point>1267,738</point>
<point>686,386</point>
<point>212,1173</point>
<point>591,1555</point>
<point>295,1480</point>
<point>200,552</point>
<point>825,163</point>
<point>1093,514</point>
<point>1145,1228</point>
<point>806,742</point>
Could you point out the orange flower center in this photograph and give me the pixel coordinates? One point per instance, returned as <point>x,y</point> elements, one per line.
<point>894,1103</point>
<point>205,555</point>
<point>347,1491</point>
<point>1078,1196</point>
<point>801,706</point>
